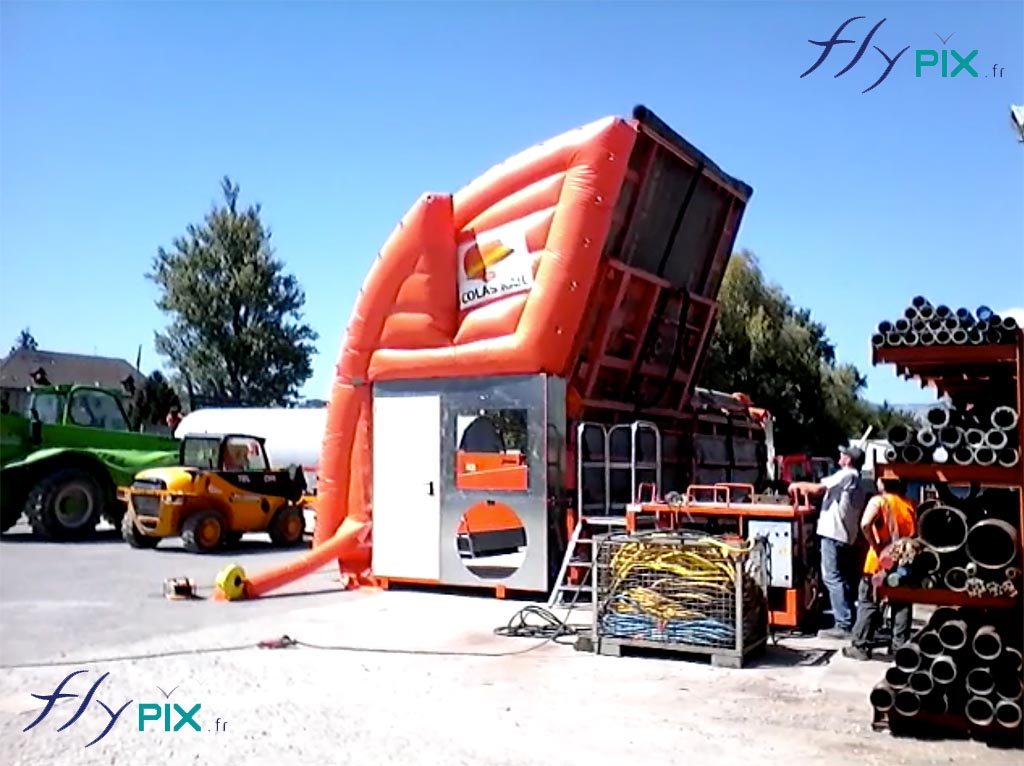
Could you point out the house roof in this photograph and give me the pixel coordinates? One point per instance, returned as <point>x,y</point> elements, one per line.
<point>17,368</point>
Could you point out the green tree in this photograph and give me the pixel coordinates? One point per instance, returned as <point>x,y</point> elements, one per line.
<point>152,401</point>
<point>776,353</point>
<point>236,335</point>
<point>25,340</point>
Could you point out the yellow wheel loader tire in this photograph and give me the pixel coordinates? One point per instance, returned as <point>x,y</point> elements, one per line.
<point>231,582</point>
<point>203,532</point>
<point>288,526</point>
<point>132,535</point>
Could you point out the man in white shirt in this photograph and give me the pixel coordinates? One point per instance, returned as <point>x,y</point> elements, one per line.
<point>838,528</point>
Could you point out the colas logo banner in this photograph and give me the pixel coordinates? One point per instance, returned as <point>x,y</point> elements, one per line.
<point>493,264</point>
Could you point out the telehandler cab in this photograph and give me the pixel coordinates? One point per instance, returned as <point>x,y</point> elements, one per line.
<point>223,487</point>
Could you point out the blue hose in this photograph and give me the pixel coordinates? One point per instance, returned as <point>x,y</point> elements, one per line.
<point>702,631</point>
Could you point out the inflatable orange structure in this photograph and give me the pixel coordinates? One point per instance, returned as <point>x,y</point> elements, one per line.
<point>527,345</point>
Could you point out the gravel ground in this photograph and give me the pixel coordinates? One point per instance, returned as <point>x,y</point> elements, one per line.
<point>483,707</point>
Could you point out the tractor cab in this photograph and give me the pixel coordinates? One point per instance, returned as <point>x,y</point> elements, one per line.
<point>76,405</point>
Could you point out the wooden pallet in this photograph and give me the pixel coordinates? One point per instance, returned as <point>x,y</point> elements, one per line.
<point>721,657</point>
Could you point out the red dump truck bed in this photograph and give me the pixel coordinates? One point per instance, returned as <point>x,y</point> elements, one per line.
<point>650,317</point>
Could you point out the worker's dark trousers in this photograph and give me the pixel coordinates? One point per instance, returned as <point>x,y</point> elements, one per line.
<point>869,617</point>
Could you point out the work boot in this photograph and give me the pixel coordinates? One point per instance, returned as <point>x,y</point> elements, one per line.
<point>856,653</point>
<point>834,633</point>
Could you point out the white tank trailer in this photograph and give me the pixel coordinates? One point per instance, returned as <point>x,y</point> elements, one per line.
<point>293,436</point>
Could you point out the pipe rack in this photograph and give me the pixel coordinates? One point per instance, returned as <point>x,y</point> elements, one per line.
<point>964,648</point>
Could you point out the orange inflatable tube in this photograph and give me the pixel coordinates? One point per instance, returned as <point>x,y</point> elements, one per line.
<point>490,281</point>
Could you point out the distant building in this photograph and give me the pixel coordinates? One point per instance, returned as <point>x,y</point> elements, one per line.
<point>24,368</point>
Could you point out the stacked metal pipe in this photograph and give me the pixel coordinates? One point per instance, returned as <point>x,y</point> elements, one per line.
<point>974,435</point>
<point>923,324</point>
<point>964,549</point>
<point>962,662</point>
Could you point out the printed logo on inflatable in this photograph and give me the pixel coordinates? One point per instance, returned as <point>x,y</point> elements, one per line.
<point>493,265</point>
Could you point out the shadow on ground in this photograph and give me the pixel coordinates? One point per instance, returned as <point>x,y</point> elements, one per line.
<point>113,537</point>
<point>109,536</point>
<point>787,657</point>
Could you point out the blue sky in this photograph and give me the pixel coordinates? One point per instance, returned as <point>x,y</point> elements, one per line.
<point>117,122</point>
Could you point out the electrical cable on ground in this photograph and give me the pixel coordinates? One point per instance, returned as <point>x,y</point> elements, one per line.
<point>517,627</point>
<point>552,629</point>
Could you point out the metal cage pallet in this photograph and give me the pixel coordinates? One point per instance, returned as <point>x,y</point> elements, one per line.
<point>681,593</point>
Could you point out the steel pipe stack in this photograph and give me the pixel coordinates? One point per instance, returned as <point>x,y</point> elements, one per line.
<point>962,548</point>
<point>923,324</point>
<point>961,663</point>
<point>963,669</point>
<point>983,436</point>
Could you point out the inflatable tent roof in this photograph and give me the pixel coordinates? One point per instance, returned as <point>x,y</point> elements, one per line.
<point>595,256</point>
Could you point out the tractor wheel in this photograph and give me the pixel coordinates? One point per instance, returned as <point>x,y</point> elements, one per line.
<point>203,532</point>
<point>287,526</point>
<point>65,505</point>
<point>135,538</point>
<point>231,539</point>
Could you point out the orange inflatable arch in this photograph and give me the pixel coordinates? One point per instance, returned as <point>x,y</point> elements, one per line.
<point>493,280</point>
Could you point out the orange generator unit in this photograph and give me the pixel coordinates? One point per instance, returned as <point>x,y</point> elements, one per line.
<point>522,355</point>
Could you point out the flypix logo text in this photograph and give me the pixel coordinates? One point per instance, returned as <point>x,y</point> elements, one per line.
<point>167,716</point>
<point>947,63</point>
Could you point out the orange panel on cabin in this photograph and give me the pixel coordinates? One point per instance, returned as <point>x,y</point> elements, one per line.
<point>488,470</point>
<point>489,516</point>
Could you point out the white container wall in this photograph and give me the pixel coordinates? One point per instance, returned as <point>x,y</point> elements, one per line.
<point>293,436</point>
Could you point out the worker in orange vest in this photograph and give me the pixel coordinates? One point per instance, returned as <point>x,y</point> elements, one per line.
<point>887,517</point>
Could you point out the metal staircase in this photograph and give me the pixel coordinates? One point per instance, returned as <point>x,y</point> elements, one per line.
<point>601,509</point>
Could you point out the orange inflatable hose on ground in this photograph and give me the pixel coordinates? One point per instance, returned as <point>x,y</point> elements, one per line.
<point>432,307</point>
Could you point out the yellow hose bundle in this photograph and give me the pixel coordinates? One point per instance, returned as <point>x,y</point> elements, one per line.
<point>676,588</point>
<point>691,575</point>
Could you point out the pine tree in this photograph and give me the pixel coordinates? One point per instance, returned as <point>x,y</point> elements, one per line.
<point>236,334</point>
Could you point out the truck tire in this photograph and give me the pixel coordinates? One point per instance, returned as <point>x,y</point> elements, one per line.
<point>65,505</point>
<point>131,534</point>
<point>287,527</point>
<point>203,532</point>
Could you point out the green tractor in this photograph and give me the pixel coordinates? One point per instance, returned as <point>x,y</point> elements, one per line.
<point>62,462</point>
